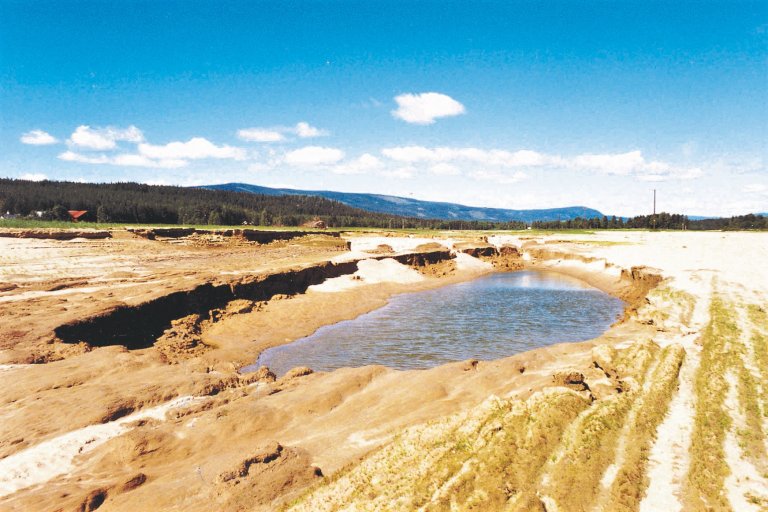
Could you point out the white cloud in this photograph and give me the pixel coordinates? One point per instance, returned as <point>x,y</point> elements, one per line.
<point>756,188</point>
<point>33,177</point>
<point>38,138</point>
<point>305,131</point>
<point>260,135</point>
<point>621,164</point>
<point>302,129</point>
<point>444,169</point>
<point>631,163</point>
<point>500,177</point>
<point>314,155</point>
<point>194,149</point>
<point>259,167</point>
<point>102,139</point>
<point>424,108</point>
<point>133,160</point>
<point>360,165</point>
<point>404,173</point>
<point>494,157</point>
<point>71,156</point>
<point>123,160</point>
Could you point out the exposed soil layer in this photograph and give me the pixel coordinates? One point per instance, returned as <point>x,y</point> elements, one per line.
<point>56,234</point>
<point>252,235</point>
<point>138,327</point>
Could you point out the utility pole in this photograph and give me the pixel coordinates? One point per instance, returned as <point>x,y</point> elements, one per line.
<point>654,209</point>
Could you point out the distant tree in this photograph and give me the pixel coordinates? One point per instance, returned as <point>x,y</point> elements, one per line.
<point>60,213</point>
<point>102,214</point>
<point>214,218</point>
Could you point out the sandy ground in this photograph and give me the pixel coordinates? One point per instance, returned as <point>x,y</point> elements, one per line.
<point>119,429</point>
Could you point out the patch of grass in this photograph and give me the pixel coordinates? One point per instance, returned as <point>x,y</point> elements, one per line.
<point>634,360</point>
<point>708,468</point>
<point>573,477</point>
<point>670,304</point>
<point>483,460</point>
<point>752,396</point>
<point>505,462</point>
<point>759,319</point>
<point>631,480</point>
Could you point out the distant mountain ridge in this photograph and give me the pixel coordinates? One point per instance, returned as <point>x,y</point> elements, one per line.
<point>406,207</point>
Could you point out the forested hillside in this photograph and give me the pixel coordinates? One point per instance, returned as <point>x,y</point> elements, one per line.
<point>409,207</point>
<point>151,204</point>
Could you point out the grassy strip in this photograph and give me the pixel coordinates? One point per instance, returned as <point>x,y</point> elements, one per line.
<point>752,395</point>
<point>670,304</point>
<point>505,461</point>
<point>708,469</point>
<point>476,460</point>
<point>759,319</point>
<point>573,478</point>
<point>631,481</point>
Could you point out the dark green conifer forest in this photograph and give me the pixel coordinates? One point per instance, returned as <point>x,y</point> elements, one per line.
<point>153,204</point>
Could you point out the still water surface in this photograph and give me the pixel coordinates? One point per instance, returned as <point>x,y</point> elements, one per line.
<point>495,316</point>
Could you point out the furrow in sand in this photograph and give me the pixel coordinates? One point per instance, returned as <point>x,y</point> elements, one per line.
<point>757,320</point>
<point>573,477</point>
<point>625,490</point>
<point>668,456</point>
<point>746,488</point>
<point>504,442</point>
<point>704,488</point>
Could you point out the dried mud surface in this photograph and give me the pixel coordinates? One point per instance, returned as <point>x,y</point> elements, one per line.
<point>119,364</point>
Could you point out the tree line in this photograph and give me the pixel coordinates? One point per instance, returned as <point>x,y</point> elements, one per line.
<point>155,204</point>
<point>673,221</point>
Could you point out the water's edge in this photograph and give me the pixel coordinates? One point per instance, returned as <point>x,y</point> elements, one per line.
<point>490,317</point>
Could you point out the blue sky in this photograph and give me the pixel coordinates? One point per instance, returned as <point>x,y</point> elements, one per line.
<point>510,104</point>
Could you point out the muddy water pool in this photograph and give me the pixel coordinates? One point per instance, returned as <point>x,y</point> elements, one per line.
<point>494,316</point>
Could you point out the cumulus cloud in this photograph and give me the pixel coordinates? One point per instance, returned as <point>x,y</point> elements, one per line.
<point>122,160</point>
<point>404,173</point>
<point>260,135</point>
<point>360,165</point>
<point>305,131</point>
<point>33,177</point>
<point>71,156</point>
<point>424,108</point>
<point>259,167</point>
<point>631,163</point>
<point>314,155</point>
<point>500,177</point>
<point>38,138</point>
<point>494,157</point>
<point>194,149</point>
<point>756,188</point>
<point>102,139</point>
<point>444,169</point>
<point>133,160</point>
<point>621,164</point>
<point>302,129</point>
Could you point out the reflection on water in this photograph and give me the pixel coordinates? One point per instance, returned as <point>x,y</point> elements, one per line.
<point>491,317</point>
